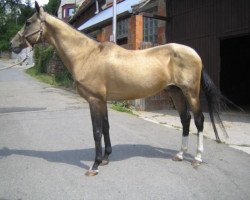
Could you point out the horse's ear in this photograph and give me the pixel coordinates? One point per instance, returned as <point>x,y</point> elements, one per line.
<point>41,10</point>
<point>37,7</point>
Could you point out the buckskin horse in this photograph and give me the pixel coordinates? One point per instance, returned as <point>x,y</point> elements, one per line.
<point>106,72</point>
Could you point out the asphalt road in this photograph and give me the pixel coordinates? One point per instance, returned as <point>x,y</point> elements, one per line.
<point>46,146</point>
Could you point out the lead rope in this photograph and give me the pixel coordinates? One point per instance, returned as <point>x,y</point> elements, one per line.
<point>15,64</point>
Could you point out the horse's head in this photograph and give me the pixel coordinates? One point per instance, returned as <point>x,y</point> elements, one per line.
<point>31,33</point>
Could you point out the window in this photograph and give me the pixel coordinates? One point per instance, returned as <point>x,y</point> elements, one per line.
<point>122,28</point>
<point>150,29</point>
<point>71,12</point>
<point>68,10</point>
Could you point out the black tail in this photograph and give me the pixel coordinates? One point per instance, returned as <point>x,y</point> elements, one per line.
<point>214,99</point>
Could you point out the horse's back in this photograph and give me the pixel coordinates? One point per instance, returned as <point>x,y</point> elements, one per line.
<point>137,73</point>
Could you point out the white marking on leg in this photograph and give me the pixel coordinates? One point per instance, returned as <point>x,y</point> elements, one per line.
<point>93,170</point>
<point>184,147</point>
<point>200,148</point>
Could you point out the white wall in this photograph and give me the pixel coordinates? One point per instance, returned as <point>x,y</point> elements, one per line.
<point>23,54</point>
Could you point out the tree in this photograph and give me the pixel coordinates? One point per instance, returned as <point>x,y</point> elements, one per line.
<point>52,6</point>
<point>26,12</point>
<point>12,16</point>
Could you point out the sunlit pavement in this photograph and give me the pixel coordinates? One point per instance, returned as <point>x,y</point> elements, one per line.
<point>46,146</point>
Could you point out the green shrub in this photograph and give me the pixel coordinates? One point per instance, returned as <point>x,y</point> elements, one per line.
<point>65,78</point>
<point>121,107</point>
<point>42,56</point>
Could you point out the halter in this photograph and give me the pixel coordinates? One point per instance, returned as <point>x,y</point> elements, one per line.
<point>40,31</point>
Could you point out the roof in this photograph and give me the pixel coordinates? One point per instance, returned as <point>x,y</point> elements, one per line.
<point>107,14</point>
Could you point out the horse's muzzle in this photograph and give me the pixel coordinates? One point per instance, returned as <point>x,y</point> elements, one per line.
<point>16,50</point>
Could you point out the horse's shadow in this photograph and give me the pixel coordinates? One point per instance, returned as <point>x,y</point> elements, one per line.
<point>78,156</point>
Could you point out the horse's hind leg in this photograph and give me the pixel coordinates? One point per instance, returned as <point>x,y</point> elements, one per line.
<point>180,103</point>
<point>194,102</point>
<point>199,122</point>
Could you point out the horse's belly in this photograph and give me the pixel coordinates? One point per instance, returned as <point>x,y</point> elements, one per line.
<point>137,80</point>
<point>134,91</point>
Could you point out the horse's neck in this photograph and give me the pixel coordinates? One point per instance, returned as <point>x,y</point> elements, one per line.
<point>69,43</point>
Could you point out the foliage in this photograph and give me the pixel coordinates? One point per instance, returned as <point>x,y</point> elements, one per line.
<point>7,31</point>
<point>12,16</point>
<point>64,78</point>
<point>121,107</point>
<point>49,79</point>
<point>26,12</point>
<point>42,77</point>
<point>42,56</point>
<point>52,7</point>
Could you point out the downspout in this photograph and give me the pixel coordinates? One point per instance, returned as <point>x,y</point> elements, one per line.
<point>114,22</point>
<point>97,7</point>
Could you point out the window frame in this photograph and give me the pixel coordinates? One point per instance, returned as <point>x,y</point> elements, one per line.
<point>68,11</point>
<point>122,28</point>
<point>150,29</point>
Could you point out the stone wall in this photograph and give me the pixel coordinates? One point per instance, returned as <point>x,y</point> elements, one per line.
<point>55,65</point>
<point>27,52</point>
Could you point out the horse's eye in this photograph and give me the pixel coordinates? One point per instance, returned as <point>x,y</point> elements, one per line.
<point>27,23</point>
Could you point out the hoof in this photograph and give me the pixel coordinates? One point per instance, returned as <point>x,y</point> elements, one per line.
<point>177,158</point>
<point>196,163</point>
<point>92,172</point>
<point>104,162</point>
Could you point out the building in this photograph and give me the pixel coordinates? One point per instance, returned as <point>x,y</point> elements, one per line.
<point>220,33</point>
<point>218,30</point>
<point>67,8</point>
<point>138,21</point>
<point>140,24</point>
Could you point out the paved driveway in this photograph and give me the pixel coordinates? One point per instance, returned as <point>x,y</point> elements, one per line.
<point>46,146</point>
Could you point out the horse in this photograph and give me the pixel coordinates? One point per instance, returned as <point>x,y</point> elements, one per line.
<point>107,72</point>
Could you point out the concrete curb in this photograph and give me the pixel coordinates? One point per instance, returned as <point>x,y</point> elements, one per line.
<point>237,126</point>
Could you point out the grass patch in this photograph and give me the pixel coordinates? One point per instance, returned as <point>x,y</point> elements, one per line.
<point>64,78</point>
<point>121,107</point>
<point>60,80</point>
<point>42,57</point>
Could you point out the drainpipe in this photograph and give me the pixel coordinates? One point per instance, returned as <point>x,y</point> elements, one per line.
<point>113,38</point>
<point>97,7</point>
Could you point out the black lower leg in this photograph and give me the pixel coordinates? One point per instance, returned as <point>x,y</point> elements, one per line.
<point>199,121</point>
<point>185,120</point>
<point>180,103</point>
<point>96,117</point>
<point>108,148</point>
<point>98,149</point>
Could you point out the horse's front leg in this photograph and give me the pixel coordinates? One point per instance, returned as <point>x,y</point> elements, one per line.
<point>97,111</point>
<point>105,131</point>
